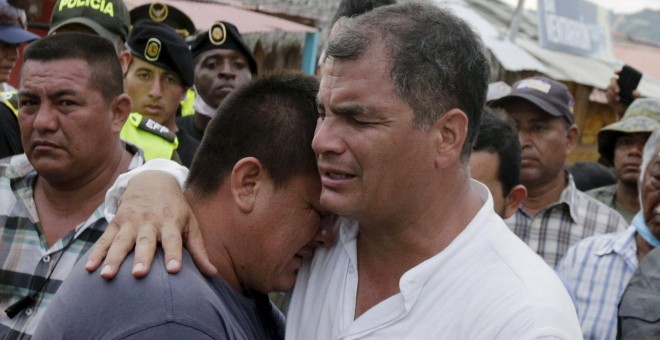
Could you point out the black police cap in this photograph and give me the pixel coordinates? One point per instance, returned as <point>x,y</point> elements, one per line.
<point>223,35</point>
<point>160,45</point>
<point>166,14</point>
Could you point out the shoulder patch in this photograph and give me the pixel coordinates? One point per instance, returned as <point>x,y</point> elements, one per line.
<point>147,124</point>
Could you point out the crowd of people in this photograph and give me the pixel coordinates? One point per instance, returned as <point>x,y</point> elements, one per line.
<point>155,185</point>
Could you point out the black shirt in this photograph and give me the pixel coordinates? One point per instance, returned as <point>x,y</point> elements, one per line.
<point>10,134</point>
<point>187,147</point>
<point>187,124</point>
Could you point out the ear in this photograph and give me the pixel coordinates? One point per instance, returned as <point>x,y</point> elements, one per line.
<point>571,138</point>
<point>247,179</point>
<point>513,200</point>
<point>124,60</point>
<point>121,108</point>
<point>449,132</point>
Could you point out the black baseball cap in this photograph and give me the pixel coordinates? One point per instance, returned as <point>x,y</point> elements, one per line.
<point>549,95</point>
<point>223,35</point>
<point>166,14</point>
<point>108,18</point>
<point>161,45</point>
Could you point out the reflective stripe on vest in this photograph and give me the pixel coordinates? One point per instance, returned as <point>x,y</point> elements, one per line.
<point>154,139</point>
<point>10,99</point>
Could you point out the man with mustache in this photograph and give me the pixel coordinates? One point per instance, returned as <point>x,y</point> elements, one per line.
<point>71,109</point>
<point>223,62</point>
<point>621,145</point>
<point>555,215</point>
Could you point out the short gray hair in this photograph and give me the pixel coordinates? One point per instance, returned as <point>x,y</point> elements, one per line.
<point>438,61</point>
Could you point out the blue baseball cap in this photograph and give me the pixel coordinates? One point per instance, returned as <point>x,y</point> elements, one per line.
<point>12,25</point>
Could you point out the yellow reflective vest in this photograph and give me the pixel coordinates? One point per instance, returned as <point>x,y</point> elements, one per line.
<point>154,139</point>
<point>187,104</point>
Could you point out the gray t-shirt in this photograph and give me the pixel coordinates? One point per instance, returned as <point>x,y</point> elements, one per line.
<point>160,306</point>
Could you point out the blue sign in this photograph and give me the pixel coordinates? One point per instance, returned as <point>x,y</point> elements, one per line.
<point>576,27</point>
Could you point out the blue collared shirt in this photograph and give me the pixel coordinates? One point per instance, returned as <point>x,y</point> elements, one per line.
<point>596,270</point>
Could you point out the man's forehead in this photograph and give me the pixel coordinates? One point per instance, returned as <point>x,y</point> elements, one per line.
<point>637,135</point>
<point>33,67</point>
<point>527,111</point>
<point>220,53</point>
<point>58,72</point>
<point>143,64</point>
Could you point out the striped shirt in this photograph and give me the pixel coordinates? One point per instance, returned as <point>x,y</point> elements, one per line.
<point>596,271</point>
<point>26,258</point>
<point>560,225</point>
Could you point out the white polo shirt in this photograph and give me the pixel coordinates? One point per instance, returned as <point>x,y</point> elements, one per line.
<point>487,284</point>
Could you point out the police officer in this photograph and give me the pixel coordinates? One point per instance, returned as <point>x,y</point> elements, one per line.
<point>223,62</point>
<point>12,34</point>
<point>165,14</point>
<point>158,76</point>
<point>182,24</point>
<point>110,19</point>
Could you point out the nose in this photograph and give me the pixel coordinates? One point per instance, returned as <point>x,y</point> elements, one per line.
<point>326,138</point>
<point>326,235</point>
<point>524,138</point>
<point>45,119</point>
<point>638,147</point>
<point>155,91</point>
<point>226,70</point>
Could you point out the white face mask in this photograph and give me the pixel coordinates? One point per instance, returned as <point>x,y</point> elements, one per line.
<point>200,106</point>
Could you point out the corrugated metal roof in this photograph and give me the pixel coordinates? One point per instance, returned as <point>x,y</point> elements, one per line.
<point>526,53</point>
<point>511,56</point>
<point>204,14</point>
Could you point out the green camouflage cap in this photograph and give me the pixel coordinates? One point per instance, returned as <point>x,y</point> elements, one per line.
<point>643,115</point>
<point>108,18</point>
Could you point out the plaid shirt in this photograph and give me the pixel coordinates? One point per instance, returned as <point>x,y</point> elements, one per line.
<point>557,227</point>
<point>607,195</point>
<point>596,271</point>
<point>26,258</point>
